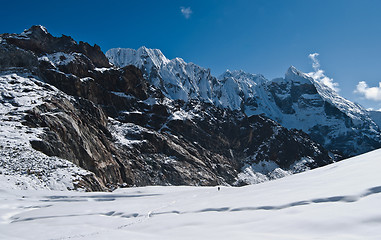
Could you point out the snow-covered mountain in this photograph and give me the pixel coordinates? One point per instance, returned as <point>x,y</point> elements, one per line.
<point>295,101</point>
<point>298,101</point>
<point>340,201</point>
<point>114,123</point>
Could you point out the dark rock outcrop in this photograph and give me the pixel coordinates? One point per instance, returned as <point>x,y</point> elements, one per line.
<point>76,130</point>
<point>208,147</point>
<point>13,57</point>
<point>39,41</point>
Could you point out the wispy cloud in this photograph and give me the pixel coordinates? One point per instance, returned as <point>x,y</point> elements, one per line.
<point>370,93</point>
<point>319,75</point>
<point>186,11</point>
<point>315,61</point>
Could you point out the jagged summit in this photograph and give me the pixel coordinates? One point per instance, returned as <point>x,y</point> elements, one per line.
<point>121,57</point>
<point>297,77</point>
<point>242,76</point>
<point>239,74</point>
<point>293,69</point>
<point>38,40</point>
<point>35,30</point>
<point>176,78</point>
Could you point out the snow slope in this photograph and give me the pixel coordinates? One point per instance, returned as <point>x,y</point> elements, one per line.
<point>338,201</point>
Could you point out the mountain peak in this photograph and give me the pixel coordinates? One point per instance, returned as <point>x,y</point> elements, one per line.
<point>155,55</point>
<point>36,31</point>
<point>242,75</point>
<point>296,76</point>
<point>293,70</point>
<point>127,56</point>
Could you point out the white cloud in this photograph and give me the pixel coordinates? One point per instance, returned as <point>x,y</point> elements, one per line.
<point>322,78</point>
<point>372,109</point>
<point>370,93</point>
<point>187,12</point>
<point>319,75</point>
<point>315,61</point>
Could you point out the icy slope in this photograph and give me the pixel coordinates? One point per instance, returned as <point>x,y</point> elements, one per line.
<point>295,101</point>
<point>338,201</point>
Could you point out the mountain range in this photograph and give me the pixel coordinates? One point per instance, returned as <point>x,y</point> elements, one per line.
<point>74,117</point>
<point>295,101</point>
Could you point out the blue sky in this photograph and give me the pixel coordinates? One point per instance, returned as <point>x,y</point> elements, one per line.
<point>258,36</point>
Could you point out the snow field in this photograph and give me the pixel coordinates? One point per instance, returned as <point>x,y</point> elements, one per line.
<point>338,201</point>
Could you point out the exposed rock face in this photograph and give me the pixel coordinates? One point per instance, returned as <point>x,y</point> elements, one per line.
<point>201,144</point>
<point>112,122</point>
<point>76,131</point>
<point>103,88</point>
<point>13,57</point>
<point>24,97</point>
